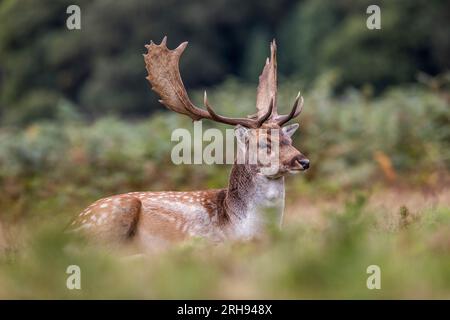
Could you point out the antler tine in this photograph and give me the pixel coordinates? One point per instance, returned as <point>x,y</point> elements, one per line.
<point>268,113</point>
<point>296,109</point>
<point>249,123</point>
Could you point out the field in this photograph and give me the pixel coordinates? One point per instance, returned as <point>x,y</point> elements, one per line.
<point>377,194</point>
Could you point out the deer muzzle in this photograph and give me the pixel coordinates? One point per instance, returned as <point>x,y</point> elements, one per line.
<point>300,163</point>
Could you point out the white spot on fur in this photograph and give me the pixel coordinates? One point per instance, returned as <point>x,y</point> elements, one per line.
<point>85,212</point>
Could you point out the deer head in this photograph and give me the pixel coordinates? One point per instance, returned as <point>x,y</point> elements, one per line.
<point>265,129</point>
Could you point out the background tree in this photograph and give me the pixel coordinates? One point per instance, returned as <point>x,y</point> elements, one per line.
<point>99,69</point>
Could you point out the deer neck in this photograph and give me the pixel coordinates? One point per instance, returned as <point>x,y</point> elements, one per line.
<point>252,200</point>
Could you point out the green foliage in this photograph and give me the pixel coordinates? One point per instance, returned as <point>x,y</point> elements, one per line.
<point>302,35</point>
<point>323,35</point>
<point>346,140</point>
<point>256,54</point>
<point>99,68</point>
<point>403,124</point>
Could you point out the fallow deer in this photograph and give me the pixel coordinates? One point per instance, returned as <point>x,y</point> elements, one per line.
<point>236,212</point>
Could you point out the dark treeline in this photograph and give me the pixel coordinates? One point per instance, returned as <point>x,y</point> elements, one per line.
<point>99,69</point>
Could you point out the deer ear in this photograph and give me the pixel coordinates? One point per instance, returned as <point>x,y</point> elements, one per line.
<point>241,134</point>
<point>290,129</point>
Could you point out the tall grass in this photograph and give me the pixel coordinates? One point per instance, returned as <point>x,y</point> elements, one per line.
<point>302,261</point>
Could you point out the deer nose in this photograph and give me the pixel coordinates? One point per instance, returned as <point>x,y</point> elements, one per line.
<point>304,163</point>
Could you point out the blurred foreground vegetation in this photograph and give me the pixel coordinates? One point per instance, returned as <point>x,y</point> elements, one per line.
<point>301,261</point>
<point>358,146</point>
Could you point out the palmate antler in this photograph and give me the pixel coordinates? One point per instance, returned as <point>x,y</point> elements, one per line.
<point>163,74</point>
<point>267,91</point>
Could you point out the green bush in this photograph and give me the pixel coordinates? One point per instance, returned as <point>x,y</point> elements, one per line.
<point>409,126</point>
<point>352,141</point>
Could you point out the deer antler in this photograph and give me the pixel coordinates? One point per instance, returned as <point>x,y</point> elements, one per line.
<point>164,76</point>
<point>267,91</point>
<point>267,87</point>
<point>296,109</point>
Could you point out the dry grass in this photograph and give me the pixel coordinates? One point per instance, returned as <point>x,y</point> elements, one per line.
<point>385,203</point>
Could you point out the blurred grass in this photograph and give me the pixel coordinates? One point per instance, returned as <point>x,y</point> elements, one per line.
<point>50,171</point>
<point>301,261</point>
